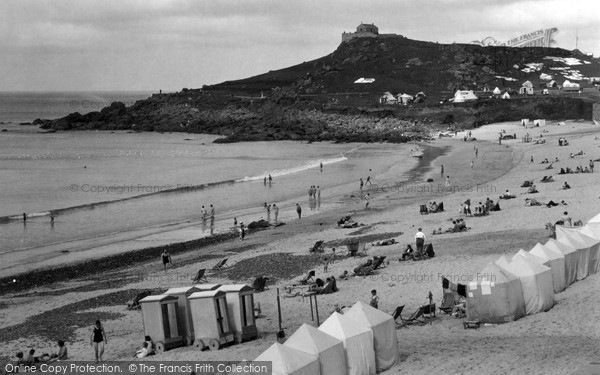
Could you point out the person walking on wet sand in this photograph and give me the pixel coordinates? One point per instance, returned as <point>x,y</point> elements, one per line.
<point>166,259</point>
<point>98,339</point>
<point>321,166</point>
<point>442,171</point>
<point>212,212</point>
<point>242,231</point>
<point>299,211</point>
<point>270,179</point>
<point>275,211</point>
<point>203,213</point>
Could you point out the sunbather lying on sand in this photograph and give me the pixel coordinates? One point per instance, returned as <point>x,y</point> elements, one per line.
<point>566,186</point>
<point>389,242</point>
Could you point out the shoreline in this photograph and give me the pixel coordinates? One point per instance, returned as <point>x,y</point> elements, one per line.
<point>86,267</point>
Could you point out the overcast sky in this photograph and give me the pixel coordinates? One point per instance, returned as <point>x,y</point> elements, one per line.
<point>54,45</point>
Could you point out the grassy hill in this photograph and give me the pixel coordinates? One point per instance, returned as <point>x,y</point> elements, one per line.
<point>318,100</point>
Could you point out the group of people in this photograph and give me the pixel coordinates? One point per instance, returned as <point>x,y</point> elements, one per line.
<point>30,359</point>
<point>268,179</point>
<point>481,209</point>
<point>314,192</point>
<point>146,349</point>
<point>579,169</point>
<point>272,208</point>
<point>206,214</point>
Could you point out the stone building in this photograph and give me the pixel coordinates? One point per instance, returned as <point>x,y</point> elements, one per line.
<point>364,30</point>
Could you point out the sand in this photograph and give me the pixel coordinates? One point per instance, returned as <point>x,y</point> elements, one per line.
<point>559,341</point>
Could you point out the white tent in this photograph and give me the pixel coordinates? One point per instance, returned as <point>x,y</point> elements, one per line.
<point>385,341</point>
<point>536,282</point>
<point>592,228</point>
<point>545,76</point>
<point>462,96</point>
<point>289,361</point>
<point>539,122</point>
<point>591,242</point>
<point>565,235</point>
<point>405,98</point>
<point>571,259</point>
<point>556,261</point>
<point>497,296</point>
<point>358,342</point>
<point>506,95</point>
<point>496,91</point>
<point>567,85</point>
<point>388,98</point>
<point>332,356</point>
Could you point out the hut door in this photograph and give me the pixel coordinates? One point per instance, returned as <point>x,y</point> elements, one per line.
<point>221,307</point>
<point>169,318</point>
<point>247,305</point>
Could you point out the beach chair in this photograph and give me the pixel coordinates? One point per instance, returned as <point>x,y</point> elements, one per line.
<point>413,319</point>
<point>317,247</point>
<point>134,303</point>
<point>221,265</point>
<point>306,279</point>
<point>449,299</point>
<point>260,284</point>
<point>378,262</point>
<point>423,209</point>
<point>397,314</point>
<point>200,276</point>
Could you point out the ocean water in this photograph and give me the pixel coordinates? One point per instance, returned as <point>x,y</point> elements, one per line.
<point>100,184</point>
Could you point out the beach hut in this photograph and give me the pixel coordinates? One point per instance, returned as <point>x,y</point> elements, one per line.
<point>526,88</point>
<point>388,98</point>
<point>524,121</point>
<point>331,353</point>
<point>571,86</point>
<point>240,306</point>
<point>289,361</point>
<point>506,95</point>
<point>592,228</point>
<point>496,296</point>
<point>571,259</point>
<point>565,235</point>
<point>539,122</point>
<point>358,342</point>
<point>210,319</point>
<point>405,98</point>
<point>553,259</point>
<point>159,314</point>
<point>385,341</point>
<point>496,91</point>
<point>536,281</point>
<point>206,287</point>
<point>184,318</point>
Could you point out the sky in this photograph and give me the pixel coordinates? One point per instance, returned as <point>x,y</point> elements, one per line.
<point>149,45</point>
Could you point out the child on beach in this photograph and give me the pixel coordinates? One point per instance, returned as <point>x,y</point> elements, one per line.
<point>374,299</point>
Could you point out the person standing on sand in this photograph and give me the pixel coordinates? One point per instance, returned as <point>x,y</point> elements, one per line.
<point>299,211</point>
<point>212,212</point>
<point>51,218</point>
<point>472,164</point>
<point>442,171</point>
<point>374,299</point>
<point>242,231</point>
<point>321,166</point>
<point>268,212</point>
<point>318,192</point>
<point>447,180</point>
<point>532,158</point>
<point>361,184</point>
<point>420,240</point>
<point>275,211</point>
<point>235,222</point>
<point>24,217</point>
<point>566,219</point>
<point>591,166</point>
<point>166,258</point>
<point>265,181</point>
<point>476,152</point>
<point>270,179</point>
<point>203,212</point>
<point>98,339</point>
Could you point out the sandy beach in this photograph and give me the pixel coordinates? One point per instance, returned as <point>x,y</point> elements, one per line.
<point>560,341</point>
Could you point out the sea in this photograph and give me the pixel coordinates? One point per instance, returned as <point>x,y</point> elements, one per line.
<point>99,185</point>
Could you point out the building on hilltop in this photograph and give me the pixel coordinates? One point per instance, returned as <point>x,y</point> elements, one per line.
<point>364,30</point>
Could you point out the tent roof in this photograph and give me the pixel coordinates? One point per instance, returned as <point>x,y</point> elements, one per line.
<point>522,266</point>
<point>340,326</point>
<point>544,252</point>
<point>405,95</point>
<point>497,91</point>
<point>363,312</point>
<point>566,236</point>
<point>311,340</point>
<point>559,246</point>
<point>529,256</point>
<point>595,219</point>
<point>494,273</point>
<point>285,359</point>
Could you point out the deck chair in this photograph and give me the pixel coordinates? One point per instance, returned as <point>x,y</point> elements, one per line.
<point>378,262</point>
<point>397,314</point>
<point>200,276</point>
<point>317,247</point>
<point>135,302</point>
<point>423,209</point>
<point>413,319</point>
<point>306,279</point>
<point>260,284</point>
<point>221,265</point>
<point>449,300</point>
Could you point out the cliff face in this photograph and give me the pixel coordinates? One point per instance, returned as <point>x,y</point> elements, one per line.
<point>314,100</point>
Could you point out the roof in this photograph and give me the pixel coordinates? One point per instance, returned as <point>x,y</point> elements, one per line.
<point>342,327</point>
<point>207,294</point>
<point>362,312</point>
<point>559,246</point>
<point>207,286</point>
<point>496,274</point>
<point>286,360</point>
<point>521,266</point>
<point>309,339</point>
<point>182,290</point>
<point>545,253</point>
<point>235,288</point>
<point>158,298</point>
